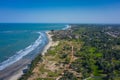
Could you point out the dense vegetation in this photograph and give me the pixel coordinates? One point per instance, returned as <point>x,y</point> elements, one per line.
<point>96,51</point>
<point>98,59</point>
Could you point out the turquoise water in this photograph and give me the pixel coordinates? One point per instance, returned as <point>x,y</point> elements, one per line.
<point>19,40</point>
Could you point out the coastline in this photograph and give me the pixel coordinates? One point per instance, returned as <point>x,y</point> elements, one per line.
<point>20,73</point>
<point>13,73</point>
<point>49,43</point>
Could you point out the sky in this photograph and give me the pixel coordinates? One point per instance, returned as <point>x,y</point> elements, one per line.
<point>60,11</point>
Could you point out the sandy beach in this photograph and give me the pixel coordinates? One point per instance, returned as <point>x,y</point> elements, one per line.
<point>14,71</point>
<point>49,43</point>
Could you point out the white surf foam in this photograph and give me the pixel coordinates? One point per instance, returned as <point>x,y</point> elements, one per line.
<point>66,27</point>
<point>20,54</point>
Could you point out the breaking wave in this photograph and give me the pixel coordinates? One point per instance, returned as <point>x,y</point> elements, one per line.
<point>20,54</point>
<point>66,27</point>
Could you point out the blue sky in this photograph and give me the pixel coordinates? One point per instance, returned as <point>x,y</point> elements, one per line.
<point>60,11</point>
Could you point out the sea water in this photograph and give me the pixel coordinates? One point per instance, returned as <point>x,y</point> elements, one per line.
<point>18,40</point>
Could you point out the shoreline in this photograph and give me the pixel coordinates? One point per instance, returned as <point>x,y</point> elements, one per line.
<point>20,73</point>
<point>49,43</point>
<point>13,73</point>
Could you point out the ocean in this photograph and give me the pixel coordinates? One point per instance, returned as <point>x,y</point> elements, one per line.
<point>20,40</point>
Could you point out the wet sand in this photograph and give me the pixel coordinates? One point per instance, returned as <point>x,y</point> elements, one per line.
<point>15,71</point>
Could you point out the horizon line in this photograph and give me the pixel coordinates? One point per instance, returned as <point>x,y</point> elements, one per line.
<point>51,23</point>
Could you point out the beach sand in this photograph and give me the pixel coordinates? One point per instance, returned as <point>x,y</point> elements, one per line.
<point>49,43</point>
<point>15,71</point>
